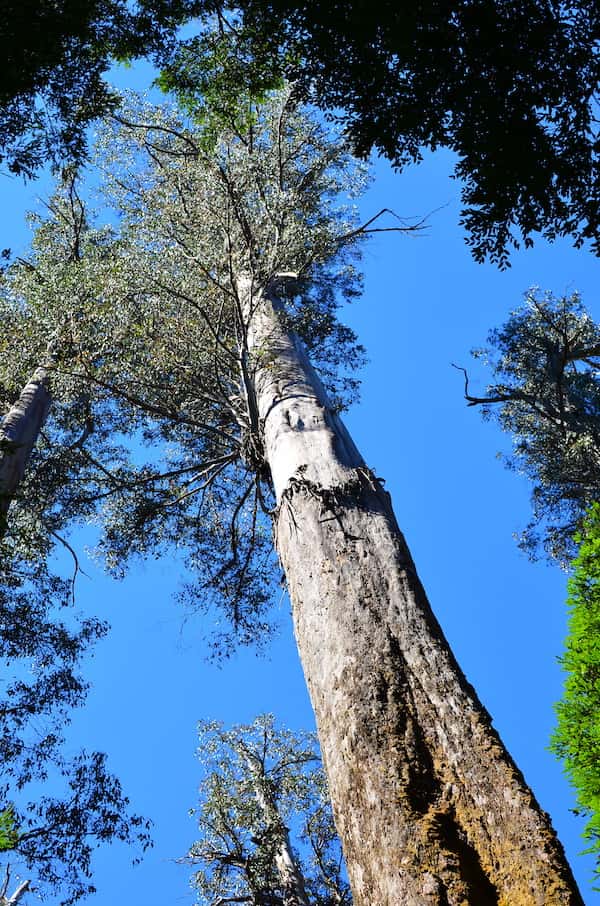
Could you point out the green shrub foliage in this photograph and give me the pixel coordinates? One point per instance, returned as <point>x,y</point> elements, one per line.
<point>577,737</point>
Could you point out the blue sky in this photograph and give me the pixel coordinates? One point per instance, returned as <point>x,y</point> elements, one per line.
<point>426,304</point>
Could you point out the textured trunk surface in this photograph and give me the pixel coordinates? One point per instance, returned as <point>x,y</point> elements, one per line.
<point>429,805</point>
<point>19,432</point>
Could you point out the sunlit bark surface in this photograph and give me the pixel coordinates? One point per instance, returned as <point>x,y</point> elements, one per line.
<point>19,431</point>
<point>429,805</point>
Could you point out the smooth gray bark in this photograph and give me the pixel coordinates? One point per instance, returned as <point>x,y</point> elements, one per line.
<point>16,896</point>
<point>430,808</point>
<point>18,893</point>
<point>19,431</point>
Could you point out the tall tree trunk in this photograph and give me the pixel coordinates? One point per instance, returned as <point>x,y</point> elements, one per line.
<point>19,431</point>
<point>429,805</point>
<point>292,880</point>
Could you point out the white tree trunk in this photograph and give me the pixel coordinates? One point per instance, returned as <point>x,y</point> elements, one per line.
<point>16,896</point>
<point>19,431</point>
<point>429,806</point>
<point>292,880</point>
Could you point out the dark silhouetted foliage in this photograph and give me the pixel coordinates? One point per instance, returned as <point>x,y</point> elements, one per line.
<point>508,87</point>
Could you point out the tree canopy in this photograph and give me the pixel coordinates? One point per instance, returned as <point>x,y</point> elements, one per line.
<point>149,331</point>
<point>510,90</point>
<point>55,55</point>
<point>261,786</point>
<point>546,395</point>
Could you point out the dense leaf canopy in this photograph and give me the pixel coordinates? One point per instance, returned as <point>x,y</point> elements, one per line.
<point>54,55</point>
<point>508,87</point>
<point>512,90</point>
<point>577,737</point>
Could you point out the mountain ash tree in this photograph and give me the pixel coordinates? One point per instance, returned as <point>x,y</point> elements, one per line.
<point>233,257</point>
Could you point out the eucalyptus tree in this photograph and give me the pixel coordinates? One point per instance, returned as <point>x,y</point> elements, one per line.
<point>55,434</point>
<point>234,255</point>
<point>261,785</point>
<point>545,393</point>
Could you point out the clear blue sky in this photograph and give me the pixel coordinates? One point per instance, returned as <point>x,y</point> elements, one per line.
<point>426,304</point>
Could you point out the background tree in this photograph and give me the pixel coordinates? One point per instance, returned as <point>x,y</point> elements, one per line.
<point>546,395</point>
<point>44,308</point>
<point>227,253</point>
<point>261,786</point>
<point>511,92</point>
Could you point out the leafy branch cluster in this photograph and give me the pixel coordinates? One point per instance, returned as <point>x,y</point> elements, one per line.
<point>576,739</point>
<point>261,784</point>
<point>545,393</point>
<point>153,409</point>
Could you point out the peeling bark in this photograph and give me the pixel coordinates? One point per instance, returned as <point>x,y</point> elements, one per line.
<point>430,808</point>
<point>19,431</point>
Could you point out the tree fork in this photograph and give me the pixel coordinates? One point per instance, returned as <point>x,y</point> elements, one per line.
<point>292,881</point>
<point>430,808</point>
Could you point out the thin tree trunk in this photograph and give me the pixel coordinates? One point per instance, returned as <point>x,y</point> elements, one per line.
<point>292,880</point>
<point>19,431</point>
<point>429,805</point>
<point>16,896</point>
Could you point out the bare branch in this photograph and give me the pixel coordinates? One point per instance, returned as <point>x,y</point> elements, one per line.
<point>150,127</point>
<point>77,568</point>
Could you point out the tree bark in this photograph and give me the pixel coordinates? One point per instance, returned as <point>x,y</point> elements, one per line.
<point>430,808</point>
<point>19,431</point>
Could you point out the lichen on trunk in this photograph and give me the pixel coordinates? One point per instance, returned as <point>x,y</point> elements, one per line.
<point>430,808</point>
